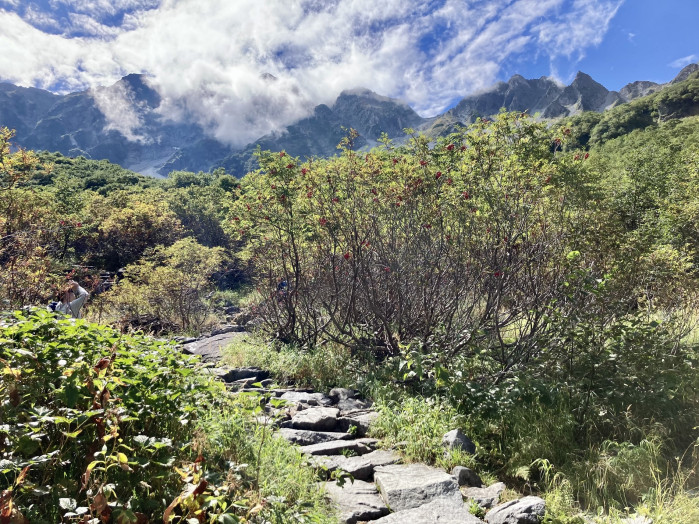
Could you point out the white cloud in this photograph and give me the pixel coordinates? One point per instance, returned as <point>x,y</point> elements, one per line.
<point>207,58</point>
<point>120,110</point>
<point>41,19</point>
<point>685,60</point>
<point>101,8</point>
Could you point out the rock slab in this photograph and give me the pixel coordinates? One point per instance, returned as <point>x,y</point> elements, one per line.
<point>361,467</point>
<point>317,419</point>
<point>357,501</point>
<point>410,486</point>
<point>439,511</point>
<point>527,510</point>
<point>358,419</point>
<point>312,399</point>
<point>485,497</point>
<point>305,437</point>
<point>336,447</point>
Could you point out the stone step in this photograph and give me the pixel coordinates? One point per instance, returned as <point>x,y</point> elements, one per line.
<point>527,510</point>
<point>438,511</point>
<point>337,448</point>
<point>357,501</point>
<point>360,467</point>
<point>409,486</point>
<point>316,419</point>
<point>304,437</point>
<point>485,497</point>
<point>312,399</point>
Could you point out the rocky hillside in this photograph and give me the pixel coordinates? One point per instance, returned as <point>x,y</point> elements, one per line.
<point>143,140</point>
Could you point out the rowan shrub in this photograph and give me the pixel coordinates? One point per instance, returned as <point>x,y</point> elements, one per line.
<point>458,245</point>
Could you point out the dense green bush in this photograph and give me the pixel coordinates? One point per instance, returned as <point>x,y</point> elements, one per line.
<point>96,424</point>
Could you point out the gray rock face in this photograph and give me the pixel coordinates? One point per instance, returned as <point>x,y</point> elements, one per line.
<point>455,439</point>
<point>439,511</point>
<point>357,501</point>
<point>304,437</point>
<point>685,73</point>
<point>485,497</point>
<point>312,399</point>
<point>361,467</point>
<point>353,404</point>
<point>336,448</point>
<point>317,419</point>
<point>360,420</point>
<point>527,510</point>
<point>373,114</point>
<point>638,89</point>
<point>410,486</point>
<point>338,394</point>
<point>466,477</point>
<point>209,348</point>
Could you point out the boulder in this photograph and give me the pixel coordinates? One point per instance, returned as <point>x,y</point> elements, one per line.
<point>455,439</point>
<point>410,486</point>
<point>360,467</point>
<point>485,497</point>
<point>312,399</point>
<point>338,394</point>
<point>527,510</point>
<point>336,447</point>
<point>317,419</point>
<point>304,437</point>
<point>438,511</point>
<point>357,501</point>
<point>358,419</point>
<point>236,374</point>
<point>466,477</point>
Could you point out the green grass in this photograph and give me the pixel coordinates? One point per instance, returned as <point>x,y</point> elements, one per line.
<point>321,368</point>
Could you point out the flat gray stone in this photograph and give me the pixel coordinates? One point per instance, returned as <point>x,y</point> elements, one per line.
<point>209,348</point>
<point>485,497</point>
<point>357,501</point>
<point>305,437</point>
<point>466,477</point>
<point>319,419</point>
<point>352,404</point>
<point>412,485</point>
<point>227,329</point>
<point>336,448</point>
<point>359,419</point>
<point>438,511</point>
<point>527,510</point>
<point>360,467</point>
<point>312,399</point>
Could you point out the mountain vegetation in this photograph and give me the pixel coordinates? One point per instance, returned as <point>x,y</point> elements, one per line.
<point>533,282</point>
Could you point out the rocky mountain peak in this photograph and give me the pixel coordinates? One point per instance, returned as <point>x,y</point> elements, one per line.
<point>684,74</point>
<point>138,86</point>
<point>372,114</point>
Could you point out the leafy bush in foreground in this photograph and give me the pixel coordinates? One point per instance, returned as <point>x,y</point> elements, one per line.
<point>99,427</point>
<point>91,417</point>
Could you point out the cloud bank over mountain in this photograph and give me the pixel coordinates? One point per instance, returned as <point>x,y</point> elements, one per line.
<point>242,69</point>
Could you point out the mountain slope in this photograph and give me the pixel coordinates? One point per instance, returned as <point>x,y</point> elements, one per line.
<point>123,123</point>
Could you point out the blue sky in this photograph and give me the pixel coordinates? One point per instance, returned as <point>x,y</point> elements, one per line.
<point>209,59</point>
<point>646,40</point>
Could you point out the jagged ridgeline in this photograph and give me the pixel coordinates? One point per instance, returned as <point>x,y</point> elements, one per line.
<point>76,124</point>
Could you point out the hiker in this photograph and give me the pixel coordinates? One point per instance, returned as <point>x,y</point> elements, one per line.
<point>72,300</point>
